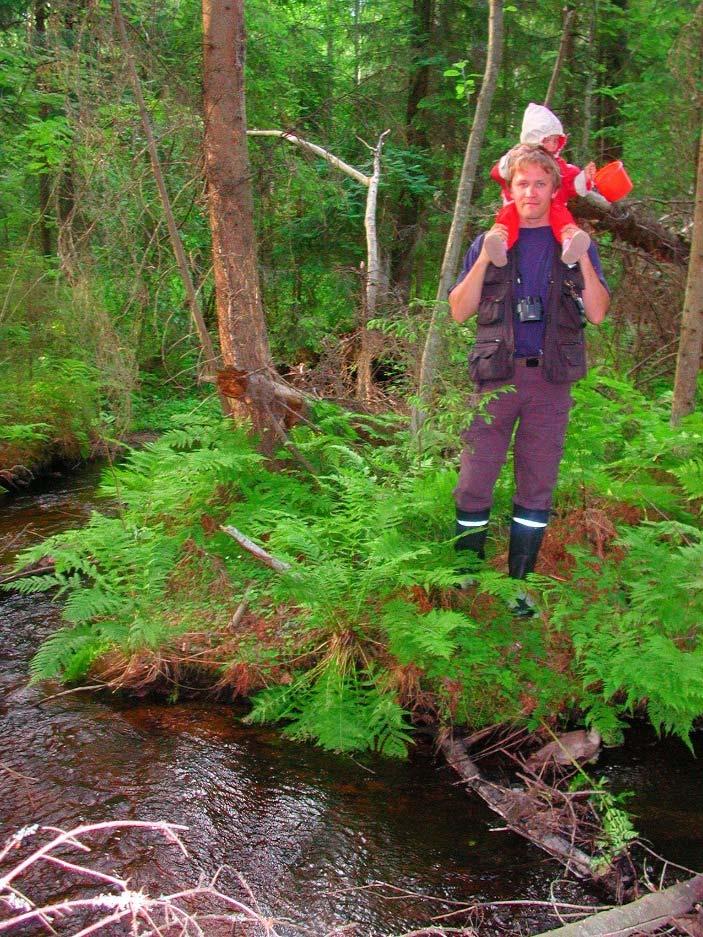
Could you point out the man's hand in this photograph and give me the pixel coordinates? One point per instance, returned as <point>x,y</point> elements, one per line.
<point>590,171</point>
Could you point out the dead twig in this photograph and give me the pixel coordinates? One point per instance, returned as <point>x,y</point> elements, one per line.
<point>280,566</point>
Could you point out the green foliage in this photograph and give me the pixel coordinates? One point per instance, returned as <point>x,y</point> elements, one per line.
<point>635,628</point>
<point>341,708</point>
<point>620,445</point>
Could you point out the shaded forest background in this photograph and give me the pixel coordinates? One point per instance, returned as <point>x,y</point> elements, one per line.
<point>94,319</point>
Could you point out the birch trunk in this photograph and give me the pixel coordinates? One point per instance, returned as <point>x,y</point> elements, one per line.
<point>364,378</point>
<point>434,344</point>
<point>691,342</point>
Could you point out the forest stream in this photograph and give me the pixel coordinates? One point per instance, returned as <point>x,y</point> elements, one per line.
<point>320,839</point>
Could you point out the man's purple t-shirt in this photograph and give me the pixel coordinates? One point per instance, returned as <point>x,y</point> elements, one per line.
<point>535,248</point>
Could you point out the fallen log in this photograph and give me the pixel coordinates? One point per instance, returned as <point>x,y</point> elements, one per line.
<point>643,916</point>
<point>518,811</point>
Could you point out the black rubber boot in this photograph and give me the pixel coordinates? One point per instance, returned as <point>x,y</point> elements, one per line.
<point>471,530</point>
<point>525,542</point>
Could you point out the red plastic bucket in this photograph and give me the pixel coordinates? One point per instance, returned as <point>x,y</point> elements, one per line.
<point>613,181</point>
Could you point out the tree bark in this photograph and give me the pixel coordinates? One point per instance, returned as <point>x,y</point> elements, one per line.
<point>691,342</point>
<point>613,55</point>
<point>588,93</point>
<point>176,243</point>
<point>434,343</point>
<point>243,337</point>
<point>562,55</point>
<point>634,226</point>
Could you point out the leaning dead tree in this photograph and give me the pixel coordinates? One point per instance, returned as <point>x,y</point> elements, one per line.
<point>373,259</point>
<point>434,343</point>
<point>534,817</point>
<point>644,916</point>
<point>633,226</point>
<point>567,32</point>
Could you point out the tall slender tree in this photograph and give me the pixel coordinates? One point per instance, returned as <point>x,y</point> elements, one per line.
<point>434,343</point>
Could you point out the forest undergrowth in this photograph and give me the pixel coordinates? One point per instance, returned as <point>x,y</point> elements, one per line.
<point>368,634</point>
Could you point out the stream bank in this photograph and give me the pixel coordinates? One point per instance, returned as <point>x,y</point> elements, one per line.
<point>311,832</point>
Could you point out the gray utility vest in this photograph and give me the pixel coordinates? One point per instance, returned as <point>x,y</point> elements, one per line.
<point>492,357</point>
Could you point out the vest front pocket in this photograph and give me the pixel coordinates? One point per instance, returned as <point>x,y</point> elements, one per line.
<point>490,361</point>
<point>573,356</point>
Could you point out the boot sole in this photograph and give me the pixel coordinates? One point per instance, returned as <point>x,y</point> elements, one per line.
<point>576,248</point>
<point>495,248</point>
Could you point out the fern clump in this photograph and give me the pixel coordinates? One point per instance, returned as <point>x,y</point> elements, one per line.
<point>636,628</point>
<point>368,624</point>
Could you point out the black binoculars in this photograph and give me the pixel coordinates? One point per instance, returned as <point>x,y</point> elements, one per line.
<point>529,309</point>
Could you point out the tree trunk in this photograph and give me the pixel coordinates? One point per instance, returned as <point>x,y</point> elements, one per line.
<point>562,55</point>
<point>613,45</point>
<point>434,343</point>
<point>364,379</point>
<point>644,916</point>
<point>176,243</point>
<point>588,94</point>
<point>243,337</point>
<point>410,207</point>
<point>41,11</point>
<point>691,342</point>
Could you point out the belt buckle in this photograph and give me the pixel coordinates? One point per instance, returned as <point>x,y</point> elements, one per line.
<point>532,362</point>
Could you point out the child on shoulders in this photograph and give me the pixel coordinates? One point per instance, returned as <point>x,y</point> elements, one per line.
<point>540,127</point>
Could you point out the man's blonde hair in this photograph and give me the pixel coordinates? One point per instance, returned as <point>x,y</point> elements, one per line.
<point>527,154</point>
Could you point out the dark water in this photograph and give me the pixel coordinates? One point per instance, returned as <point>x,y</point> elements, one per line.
<point>319,839</point>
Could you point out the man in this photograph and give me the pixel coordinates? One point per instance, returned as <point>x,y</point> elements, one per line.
<point>529,340</point>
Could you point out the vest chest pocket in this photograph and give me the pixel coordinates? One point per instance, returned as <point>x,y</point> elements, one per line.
<point>490,309</point>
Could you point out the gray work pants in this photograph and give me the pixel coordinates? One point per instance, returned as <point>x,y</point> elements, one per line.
<point>541,412</point>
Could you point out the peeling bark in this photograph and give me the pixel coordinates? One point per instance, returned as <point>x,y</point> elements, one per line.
<point>240,315</point>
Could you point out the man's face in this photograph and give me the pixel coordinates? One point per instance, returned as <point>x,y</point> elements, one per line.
<point>531,189</point>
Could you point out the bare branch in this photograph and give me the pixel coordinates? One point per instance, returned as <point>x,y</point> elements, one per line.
<point>317,150</point>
